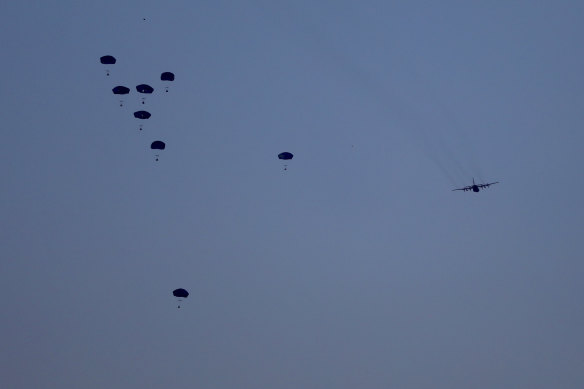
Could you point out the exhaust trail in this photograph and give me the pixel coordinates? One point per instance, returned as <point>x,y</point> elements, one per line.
<point>423,116</point>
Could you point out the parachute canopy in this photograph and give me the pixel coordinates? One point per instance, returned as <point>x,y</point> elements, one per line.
<point>107,60</point>
<point>143,88</point>
<point>285,155</point>
<point>167,76</point>
<point>158,145</point>
<point>180,293</point>
<point>142,115</point>
<point>121,90</point>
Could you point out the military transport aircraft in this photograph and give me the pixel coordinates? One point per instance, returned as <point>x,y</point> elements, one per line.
<point>475,187</point>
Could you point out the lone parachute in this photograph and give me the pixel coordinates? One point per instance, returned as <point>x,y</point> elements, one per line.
<point>286,156</point>
<point>108,60</point>
<point>180,294</point>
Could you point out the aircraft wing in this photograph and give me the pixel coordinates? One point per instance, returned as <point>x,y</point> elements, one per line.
<point>464,189</point>
<point>487,185</point>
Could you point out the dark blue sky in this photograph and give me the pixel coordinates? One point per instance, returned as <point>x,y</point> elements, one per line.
<point>356,267</point>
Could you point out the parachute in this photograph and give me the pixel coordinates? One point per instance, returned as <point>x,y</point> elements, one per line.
<point>158,145</point>
<point>285,156</point>
<point>180,294</point>
<point>107,60</point>
<point>142,115</point>
<point>167,76</point>
<point>143,88</point>
<point>121,90</point>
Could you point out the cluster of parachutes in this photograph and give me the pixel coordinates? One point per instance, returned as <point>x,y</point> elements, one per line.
<point>146,89</point>
<point>143,89</point>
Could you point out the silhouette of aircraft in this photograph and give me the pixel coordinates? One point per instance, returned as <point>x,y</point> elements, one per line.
<point>476,187</point>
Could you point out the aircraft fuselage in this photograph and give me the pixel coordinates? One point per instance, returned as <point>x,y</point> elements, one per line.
<point>476,187</point>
